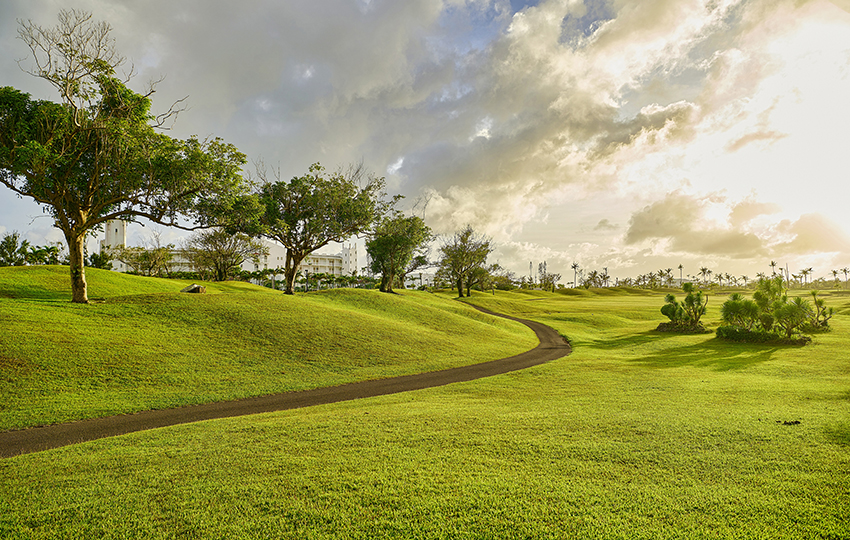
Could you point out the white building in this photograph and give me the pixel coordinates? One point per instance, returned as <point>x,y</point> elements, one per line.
<point>341,264</point>
<point>115,233</point>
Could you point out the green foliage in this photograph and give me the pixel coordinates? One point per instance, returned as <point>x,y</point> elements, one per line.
<point>464,258</point>
<point>96,156</point>
<point>396,247</point>
<point>685,315</point>
<point>771,312</point>
<point>741,312</point>
<point>154,259</point>
<point>310,211</point>
<point>819,319</point>
<point>101,260</point>
<point>219,254</point>
<point>13,251</point>
<point>744,335</point>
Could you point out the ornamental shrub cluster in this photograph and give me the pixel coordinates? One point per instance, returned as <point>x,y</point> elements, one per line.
<point>685,315</point>
<point>770,315</point>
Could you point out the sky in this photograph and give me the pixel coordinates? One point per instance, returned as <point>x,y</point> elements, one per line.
<point>632,135</point>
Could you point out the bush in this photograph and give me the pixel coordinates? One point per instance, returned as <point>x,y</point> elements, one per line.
<point>742,335</point>
<point>680,328</point>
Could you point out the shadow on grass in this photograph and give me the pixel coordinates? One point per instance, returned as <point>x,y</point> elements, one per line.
<point>713,353</point>
<point>838,434</point>
<point>633,340</point>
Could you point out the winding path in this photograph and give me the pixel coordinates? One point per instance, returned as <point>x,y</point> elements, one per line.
<point>13,443</point>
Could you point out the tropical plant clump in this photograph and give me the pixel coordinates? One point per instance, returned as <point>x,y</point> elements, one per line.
<point>770,316</point>
<point>685,315</point>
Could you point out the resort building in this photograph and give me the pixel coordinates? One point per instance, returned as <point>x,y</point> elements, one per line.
<point>340,264</point>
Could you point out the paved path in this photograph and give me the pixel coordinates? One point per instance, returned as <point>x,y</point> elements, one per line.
<point>12,443</point>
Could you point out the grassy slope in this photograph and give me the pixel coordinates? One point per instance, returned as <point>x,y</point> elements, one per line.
<point>635,435</point>
<point>146,346</point>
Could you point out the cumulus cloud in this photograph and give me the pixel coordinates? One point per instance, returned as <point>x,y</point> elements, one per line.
<point>813,233</point>
<point>713,225</point>
<point>506,119</point>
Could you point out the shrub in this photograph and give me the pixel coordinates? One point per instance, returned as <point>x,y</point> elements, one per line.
<point>684,316</point>
<point>742,335</point>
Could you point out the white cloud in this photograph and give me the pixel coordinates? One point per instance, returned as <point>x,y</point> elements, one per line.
<point>548,129</point>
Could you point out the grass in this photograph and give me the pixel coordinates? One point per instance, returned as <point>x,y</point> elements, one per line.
<point>636,434</point>
<point>145,346</point>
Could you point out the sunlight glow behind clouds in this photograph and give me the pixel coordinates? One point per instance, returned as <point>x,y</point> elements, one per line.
<point>533,121</point>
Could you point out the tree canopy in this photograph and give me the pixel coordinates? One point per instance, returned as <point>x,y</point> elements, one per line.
<point>463,256</point>
<point>218,254</point>
<point>394,245</point>
<point>310,211</point>
<point>96,155</point>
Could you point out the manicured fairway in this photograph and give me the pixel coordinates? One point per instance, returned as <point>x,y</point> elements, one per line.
<point>147,346</point>
<point>634,435</point>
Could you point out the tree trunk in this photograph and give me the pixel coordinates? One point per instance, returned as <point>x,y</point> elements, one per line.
<point>289,273</point>
<point>76,257</point>
<point>460,287</point>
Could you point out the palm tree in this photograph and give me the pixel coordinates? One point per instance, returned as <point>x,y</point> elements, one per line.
<point>746,280</point>
<point>703,271</point>
<point>575,268</point>
<point>803,273</point>
<point>835,278</point>
<point>681,267</point>
<point>773,267</point>
<point>845,270</point>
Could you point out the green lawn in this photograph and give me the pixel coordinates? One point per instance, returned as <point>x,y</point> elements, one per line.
<point>635,435</point>
<point>147,346</point>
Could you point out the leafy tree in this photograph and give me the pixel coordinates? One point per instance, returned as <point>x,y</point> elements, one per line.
<point>95,155</point>
<point>310,211</point>
<point>549,280</point>
<point>102,260</point>
<point>217,253</point>
<point>393,248</point>
<point>481,278</point>
<point>462,255</point>
<point>13,250</point>
<point>504,280</point>
<point>154,259</point>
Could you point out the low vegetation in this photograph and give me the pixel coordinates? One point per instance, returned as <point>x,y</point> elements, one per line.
<point>772,317</point>
<point>637,434</point>
<point>685,316</point>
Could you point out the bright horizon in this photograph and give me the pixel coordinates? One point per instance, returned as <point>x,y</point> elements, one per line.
<point>632,136</point>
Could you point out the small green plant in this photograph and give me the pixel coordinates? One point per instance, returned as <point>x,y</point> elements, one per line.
<point>685,315</point>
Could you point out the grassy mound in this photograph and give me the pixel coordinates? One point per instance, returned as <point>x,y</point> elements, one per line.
<point>146,346</point>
